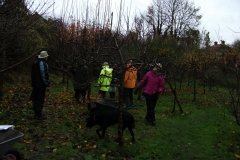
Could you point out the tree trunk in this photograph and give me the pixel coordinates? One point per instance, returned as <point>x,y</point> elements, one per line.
<point>120,123</point>
<point>63,77</point>
<point>1,84</point>
<point>175,97</point>
<point>2,65</point>
<point>194,89</point>
<point>204,86</point>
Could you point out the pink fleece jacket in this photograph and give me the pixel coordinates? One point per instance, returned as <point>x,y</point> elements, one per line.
<point>152,83</point>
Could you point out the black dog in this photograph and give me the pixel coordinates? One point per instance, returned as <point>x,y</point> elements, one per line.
<point>109,118</point>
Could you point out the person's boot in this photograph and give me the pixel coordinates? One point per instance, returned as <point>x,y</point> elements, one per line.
<point>126,102</point>
<point>75,94</point>
<point>113,94</point>
<point>83,99</point>
<point>89,106</point>
<point>77,100</point>
<point>110,93</point>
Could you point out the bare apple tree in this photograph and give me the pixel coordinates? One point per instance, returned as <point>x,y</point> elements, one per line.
<point>18,20</point>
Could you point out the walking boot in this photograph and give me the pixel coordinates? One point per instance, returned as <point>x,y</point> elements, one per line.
<point>126,102</point>
<point>83,99</point>
<point>113,94</point>
<point>77,100</point>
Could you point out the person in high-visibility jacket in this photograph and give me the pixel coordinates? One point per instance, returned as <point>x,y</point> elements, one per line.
<point>104,79</point>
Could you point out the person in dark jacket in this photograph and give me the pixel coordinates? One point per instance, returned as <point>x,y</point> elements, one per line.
<point>115,79</point>
<point>40,83</point>
<point>31,96</point>
<point>154,84</point>
<point>81,81</point>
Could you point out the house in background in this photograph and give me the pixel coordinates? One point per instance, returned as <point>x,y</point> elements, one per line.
<point>220,49</point>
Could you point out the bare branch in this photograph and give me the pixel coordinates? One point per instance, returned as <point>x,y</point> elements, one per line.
<point>17,64</point>
<point>232,30</point>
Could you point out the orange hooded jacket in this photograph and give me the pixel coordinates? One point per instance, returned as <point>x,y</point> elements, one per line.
<point>130,77</point>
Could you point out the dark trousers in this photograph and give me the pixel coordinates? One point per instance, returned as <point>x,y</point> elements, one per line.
<point>128,96</point>
<point>102,93</point>
<point>38,94</point>
<point>79,92</point>
<point>151,104</point>
<point>112,94</point>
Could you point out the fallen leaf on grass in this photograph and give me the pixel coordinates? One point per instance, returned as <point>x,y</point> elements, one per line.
<point>76,144</point>
<point>63,144</point>
<point>27,141</point>
<point>104,155</point>
<point>152,135</point>
<point>237,156</point>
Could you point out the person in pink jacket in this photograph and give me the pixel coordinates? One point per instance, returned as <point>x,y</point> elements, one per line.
<point>154,84</point>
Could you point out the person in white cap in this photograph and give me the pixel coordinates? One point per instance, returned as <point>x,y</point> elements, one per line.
<point>40,83</point>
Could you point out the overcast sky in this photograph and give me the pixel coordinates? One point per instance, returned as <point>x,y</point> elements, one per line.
<point>220,17</point>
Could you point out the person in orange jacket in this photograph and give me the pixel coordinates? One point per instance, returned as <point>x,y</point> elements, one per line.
<point>130,79</point>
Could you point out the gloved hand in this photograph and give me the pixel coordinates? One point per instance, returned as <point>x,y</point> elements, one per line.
<point>156,93</point>
<point>48,89</point>
<point>136,91</point>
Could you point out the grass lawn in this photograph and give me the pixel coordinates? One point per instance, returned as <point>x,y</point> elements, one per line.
<point>203,131</point>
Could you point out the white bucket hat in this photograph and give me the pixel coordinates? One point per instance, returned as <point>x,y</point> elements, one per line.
<point>105,64</point>
<point>43,54</point>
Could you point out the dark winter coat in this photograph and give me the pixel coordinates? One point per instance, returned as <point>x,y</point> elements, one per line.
<point>115,75</point>
<point>39,75</point>
<point>81,77</point>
